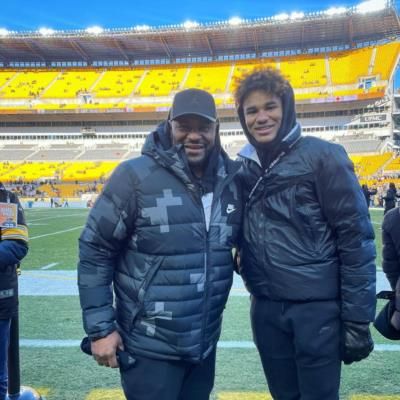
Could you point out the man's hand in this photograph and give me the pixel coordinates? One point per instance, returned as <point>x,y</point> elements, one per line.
<point>104,350</point>
<point>356,341</point>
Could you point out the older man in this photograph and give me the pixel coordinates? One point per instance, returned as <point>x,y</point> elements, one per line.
<point>162,233</point>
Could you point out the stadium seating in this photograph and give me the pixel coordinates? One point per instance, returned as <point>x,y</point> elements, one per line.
<point>385,60</point>
<point>27,84</point>
<point>303,72</point>
<point>348,67</point>
<point>368,165</point>
<point>393,166</point>
<point>320,76</point>
<point>87,171</point>
<point>117,83</point>
<point>69,84</point>
<point>162,81</point>
<point>211,78</point>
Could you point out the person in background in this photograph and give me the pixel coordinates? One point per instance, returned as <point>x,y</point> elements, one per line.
<point>159,238</point>
<point>307,254</point>
<point>390,197</point>
<point>391,257</point>
<point>13,248</point>
<point>368,193</point>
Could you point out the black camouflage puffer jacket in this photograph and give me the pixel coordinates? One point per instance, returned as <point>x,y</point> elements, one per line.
<point>171,277</point>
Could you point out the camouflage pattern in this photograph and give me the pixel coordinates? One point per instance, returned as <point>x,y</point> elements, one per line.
<point>146,234</point>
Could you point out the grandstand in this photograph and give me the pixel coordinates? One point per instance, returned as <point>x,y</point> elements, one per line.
<point>75,104</point>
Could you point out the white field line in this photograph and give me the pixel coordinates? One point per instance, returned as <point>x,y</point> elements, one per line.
<point>58,216</point>
<point>221,344</point>
<point>56,233</point>
<point>48,266</point>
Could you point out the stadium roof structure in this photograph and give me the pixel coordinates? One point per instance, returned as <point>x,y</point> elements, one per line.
<point>255,37</point>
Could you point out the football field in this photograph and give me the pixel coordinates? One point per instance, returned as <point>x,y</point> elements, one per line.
<point>50,329</point>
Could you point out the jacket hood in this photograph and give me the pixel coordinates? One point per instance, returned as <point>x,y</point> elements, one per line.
<point>267,151</point>
<point>250,152</point>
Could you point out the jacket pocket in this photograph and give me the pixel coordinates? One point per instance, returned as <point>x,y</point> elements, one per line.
<point>155,263</point>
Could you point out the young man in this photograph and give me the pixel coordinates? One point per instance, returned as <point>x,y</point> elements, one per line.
<point>162,233</point>
<point>391,257</point>
<point>307,254</point>
<point>13,248</point>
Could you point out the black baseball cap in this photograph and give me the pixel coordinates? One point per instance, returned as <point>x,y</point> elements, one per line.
<point>194,101</point>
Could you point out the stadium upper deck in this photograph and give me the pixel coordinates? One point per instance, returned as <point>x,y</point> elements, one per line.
<point>337,58</point>
<point>264,37</point>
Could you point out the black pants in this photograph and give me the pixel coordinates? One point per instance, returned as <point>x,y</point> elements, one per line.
<point>151,379</point>
<point>299,346</point>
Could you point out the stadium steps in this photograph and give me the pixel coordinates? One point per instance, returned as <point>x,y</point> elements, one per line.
<point>137,87</point>
<point>28,157</point>
<point>185,78</point>
<point>328,71</point>
<point>229,80</point>
<point>79,154</point>
<point>125,156</point>
<point>50,84</point>
<point>372,61</point>
<point>15,76</point>
<point>383,167</point>
<point>96,81</point>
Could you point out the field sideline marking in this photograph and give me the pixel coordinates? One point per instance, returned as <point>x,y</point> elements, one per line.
<point>243,396</point>
<point>57,233</point>
<point>221,345</point>
<point>117,394</point>
<point>56,217</point>
<point>48,266</point>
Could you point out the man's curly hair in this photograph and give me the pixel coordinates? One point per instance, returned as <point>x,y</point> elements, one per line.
<point>269,80</point>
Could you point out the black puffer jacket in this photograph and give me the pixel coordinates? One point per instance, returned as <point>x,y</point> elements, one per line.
<point>390,199</point>
<point>13,248</point>
<point>391,246</point>
<point>307,235</point>
<point>147,234</point>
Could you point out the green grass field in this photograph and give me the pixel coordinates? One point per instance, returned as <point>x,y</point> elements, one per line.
<point>64,373</point>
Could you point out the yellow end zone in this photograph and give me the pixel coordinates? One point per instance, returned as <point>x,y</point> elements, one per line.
<point>117,394</point>
<point>243,396</point>
<point>43,391</point>
<point>106,394</point>
<point>374,397</point>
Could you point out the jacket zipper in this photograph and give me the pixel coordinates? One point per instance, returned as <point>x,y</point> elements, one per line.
<point>216,194</point>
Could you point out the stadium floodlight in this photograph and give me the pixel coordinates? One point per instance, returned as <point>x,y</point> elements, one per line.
<point>371,6</point>
<point>296,15</point>
<point>4,32</point>
<point>142,28</point>
<point>95,30</point>
<point>235,21</point>
<point>335,11</point>
<point>281,17</point>
<point>46,31</point>
<point>190,24</point>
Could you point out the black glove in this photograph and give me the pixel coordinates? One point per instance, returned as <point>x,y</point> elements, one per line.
<point>356,341</point>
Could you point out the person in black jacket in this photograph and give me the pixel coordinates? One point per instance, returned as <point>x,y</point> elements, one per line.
<point>13,248</point>
<point>307,252</point>
<point>390,198</point>
<point>391,257</point>
<point>368,193</point>
<point>162,232</point>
